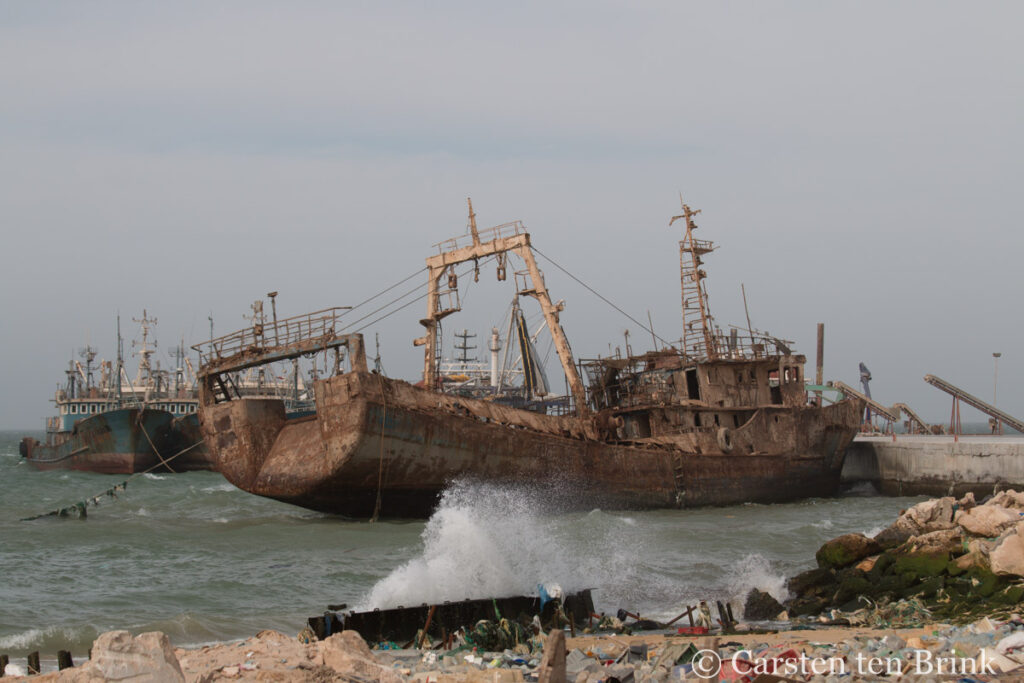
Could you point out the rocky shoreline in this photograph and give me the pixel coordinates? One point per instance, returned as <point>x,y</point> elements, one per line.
<point>983,651</point>
<point>933,597</point>
<point>946,559</point>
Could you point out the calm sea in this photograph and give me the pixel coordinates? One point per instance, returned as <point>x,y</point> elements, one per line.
<point>192,556</point>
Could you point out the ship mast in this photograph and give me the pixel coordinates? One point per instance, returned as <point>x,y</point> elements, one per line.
<point>120,360</point>
<point>507,238</point>
<point>698,325</point>
<point>145,372</point>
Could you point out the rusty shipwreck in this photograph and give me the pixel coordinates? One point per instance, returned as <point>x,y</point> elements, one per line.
<point>713,420</point>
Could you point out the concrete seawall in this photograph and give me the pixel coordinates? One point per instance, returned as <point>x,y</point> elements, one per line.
<point>936,465</point>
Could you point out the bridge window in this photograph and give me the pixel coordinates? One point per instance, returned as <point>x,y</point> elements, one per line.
<point>692,386</point>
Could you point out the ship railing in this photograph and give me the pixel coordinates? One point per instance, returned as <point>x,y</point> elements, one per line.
<point>700,245</point>
<point>322,324</point>
<point>487,235</point>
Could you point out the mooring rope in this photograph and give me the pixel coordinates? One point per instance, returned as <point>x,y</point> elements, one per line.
<point>79,509</point>
<point>408,303</point>
<point>380,468</point>
<point>382,292</point>
<point>152,445</point>
<point>642,326</point>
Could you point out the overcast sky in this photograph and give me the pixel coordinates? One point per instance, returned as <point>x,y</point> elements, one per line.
<point>858,164</point>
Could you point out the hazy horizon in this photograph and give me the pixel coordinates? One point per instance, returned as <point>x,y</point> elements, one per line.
<point>856,165</point>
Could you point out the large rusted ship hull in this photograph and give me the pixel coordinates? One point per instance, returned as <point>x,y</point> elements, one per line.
<point>381,446</point>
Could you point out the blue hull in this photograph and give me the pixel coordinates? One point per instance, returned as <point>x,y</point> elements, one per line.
<point>122,441</point>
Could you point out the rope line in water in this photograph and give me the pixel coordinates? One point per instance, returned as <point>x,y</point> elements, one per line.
<point>79,509</point>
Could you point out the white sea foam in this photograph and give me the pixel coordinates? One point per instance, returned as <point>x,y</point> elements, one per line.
<point>21,641</point>
<point>218,488</point>
<point>756,571</point>
<point>488,540</point>
<point>156,477</point>
<point>47,638</point>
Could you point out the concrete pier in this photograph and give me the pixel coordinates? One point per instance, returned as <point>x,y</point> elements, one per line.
<point>936,465</point>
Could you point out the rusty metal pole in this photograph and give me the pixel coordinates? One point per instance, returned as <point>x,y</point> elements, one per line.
<point>819,376</point>
<point>273,307</point>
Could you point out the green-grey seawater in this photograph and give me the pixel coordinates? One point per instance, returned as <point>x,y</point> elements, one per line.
<point>190,555</point>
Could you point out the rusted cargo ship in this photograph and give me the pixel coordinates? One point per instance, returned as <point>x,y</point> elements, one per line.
<point>714,422</point>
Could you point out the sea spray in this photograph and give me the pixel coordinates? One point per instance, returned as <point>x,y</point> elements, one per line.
<point>488,540</point>
<point>755,571</point>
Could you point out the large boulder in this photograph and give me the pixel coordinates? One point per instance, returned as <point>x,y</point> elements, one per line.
<point>896,533</point>
<point>760,606</point>
<point>931,515</point>
<point>1008,557</point>
<point>1009,499</point>
<point>947,542</point>
<point>928,554</point>
<point>937,514</point>
<point>811,582</point>
<point>988,520</point>
<point>844,550</point>
<point>973,561</point>
<point>146,658</point>
<point>268,651</point>
<point>348,654</point>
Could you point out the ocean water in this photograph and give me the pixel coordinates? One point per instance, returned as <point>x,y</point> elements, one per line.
<point>192,556</point>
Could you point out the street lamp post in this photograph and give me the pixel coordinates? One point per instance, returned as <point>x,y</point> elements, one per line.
<point>995,387</point>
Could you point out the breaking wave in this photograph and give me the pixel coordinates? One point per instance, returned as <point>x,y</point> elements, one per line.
<point>77,639</point>
<point>755,571</point>
<point>488,540</point>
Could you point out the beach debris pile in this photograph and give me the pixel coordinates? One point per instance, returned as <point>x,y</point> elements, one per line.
<point>944,560</point>
<point>986,650</point>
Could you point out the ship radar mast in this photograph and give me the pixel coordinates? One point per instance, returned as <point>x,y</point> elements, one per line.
<point>698,325</point>
<point>145,371</point>
<point>89,355</point>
